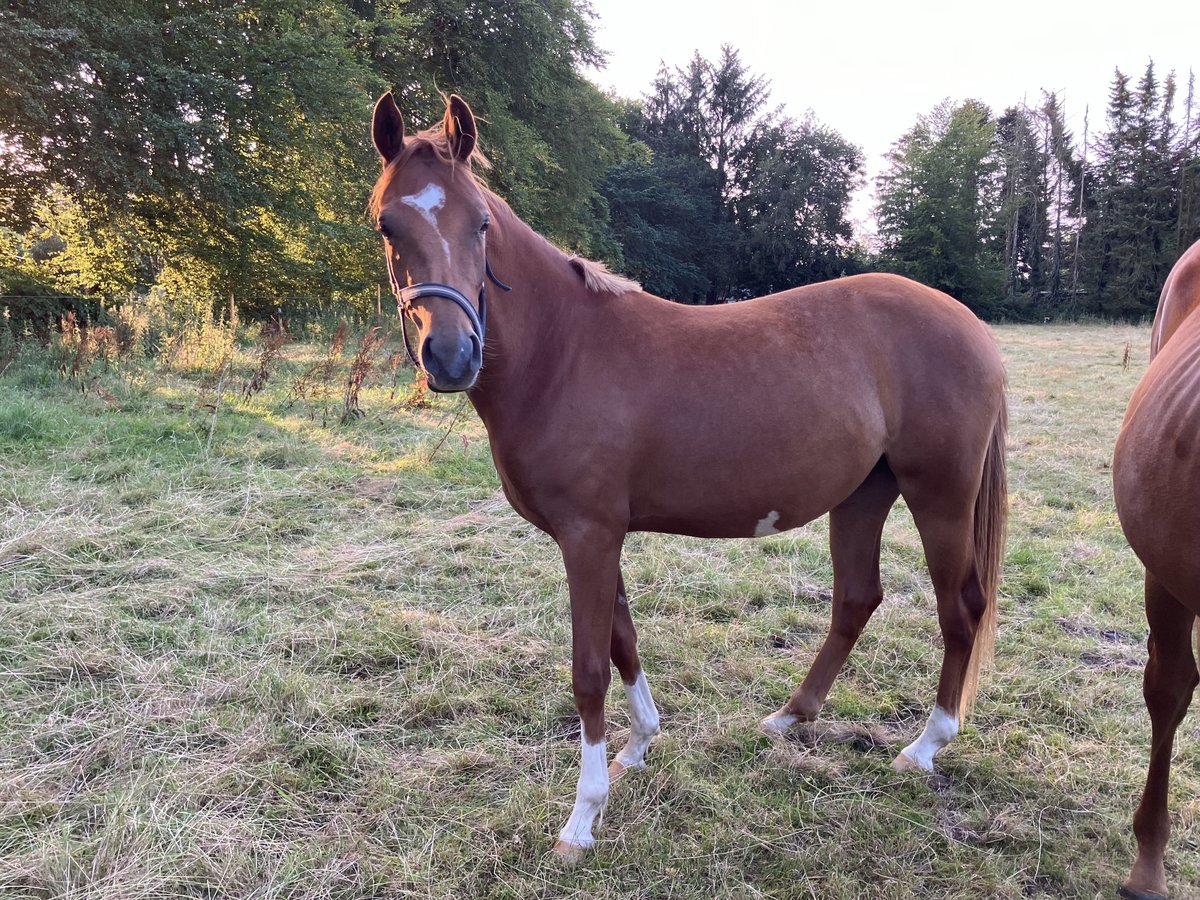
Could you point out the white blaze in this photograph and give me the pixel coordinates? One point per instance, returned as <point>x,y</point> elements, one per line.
<point>431,199</point>
<point>643,715</point>
<point>767,526</point>
<point>939,731</point>
<point>590,795</point>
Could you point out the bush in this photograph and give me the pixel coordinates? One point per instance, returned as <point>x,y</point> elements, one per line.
<point>33,308</point>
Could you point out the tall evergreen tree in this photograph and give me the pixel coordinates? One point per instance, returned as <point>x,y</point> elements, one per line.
<point>1060,175</point>
<point>1131,232</point>
<point>938,203</point>
<point>1188,160</point>
<point>1023,199</point>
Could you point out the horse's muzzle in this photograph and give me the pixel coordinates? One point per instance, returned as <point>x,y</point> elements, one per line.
<point>452,361</point>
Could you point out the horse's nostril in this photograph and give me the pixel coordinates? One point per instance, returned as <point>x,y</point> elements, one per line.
<point>452,360</point>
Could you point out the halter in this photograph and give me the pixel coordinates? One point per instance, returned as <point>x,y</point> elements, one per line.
<point>407,296</point>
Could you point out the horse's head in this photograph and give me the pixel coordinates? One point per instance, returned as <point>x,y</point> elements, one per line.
<point>433,218</point>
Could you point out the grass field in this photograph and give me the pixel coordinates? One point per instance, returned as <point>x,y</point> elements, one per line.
<point>246,655</point>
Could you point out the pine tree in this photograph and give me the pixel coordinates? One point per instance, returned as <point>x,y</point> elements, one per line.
<point>939,203</point>
<point>1132,218</point>
<point>1023,211</point>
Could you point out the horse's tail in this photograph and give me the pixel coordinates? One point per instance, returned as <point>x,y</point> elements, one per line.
<point>991,513</point>
<point>1196,642</point>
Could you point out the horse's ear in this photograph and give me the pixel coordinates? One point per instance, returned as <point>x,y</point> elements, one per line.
<point>387,128</point>
<point>460,128</point>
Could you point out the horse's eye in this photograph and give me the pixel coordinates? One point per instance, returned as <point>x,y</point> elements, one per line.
<point>384,230</point>
<point>484,227</point>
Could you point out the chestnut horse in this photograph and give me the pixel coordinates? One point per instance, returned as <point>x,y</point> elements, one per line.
<point>610,410</point>
<point>1156,483</point>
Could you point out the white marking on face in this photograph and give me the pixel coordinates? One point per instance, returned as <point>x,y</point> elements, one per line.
<point>939,731</point>
<point>643,725</point>
<point>767,526</point>
<point>427,203</point>
<point>590,795</point>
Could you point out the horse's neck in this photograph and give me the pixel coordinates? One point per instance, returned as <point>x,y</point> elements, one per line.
<point>529,327</point>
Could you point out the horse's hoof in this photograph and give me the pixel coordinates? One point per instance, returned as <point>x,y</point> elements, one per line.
<point>905,763</point>
<point>569,854</point>
<point>1128,893</point>
<point>778,723</point>
<point>616,768</point>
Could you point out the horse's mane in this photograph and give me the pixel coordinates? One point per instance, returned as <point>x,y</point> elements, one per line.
<point>599,279</point>
<point>596,275</point>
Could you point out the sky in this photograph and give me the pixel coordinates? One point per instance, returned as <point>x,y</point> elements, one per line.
<point>868,68</point>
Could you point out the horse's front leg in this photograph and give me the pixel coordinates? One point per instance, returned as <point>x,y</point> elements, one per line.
<point>591,555</point>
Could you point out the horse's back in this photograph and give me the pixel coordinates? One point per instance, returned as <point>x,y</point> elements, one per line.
<point>1180,297</point>
<point>782,405</point>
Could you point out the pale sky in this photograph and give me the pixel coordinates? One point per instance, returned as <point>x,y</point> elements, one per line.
<point>868,68</point>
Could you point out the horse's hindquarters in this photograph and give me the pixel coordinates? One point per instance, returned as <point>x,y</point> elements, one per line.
<point>1156,482</point>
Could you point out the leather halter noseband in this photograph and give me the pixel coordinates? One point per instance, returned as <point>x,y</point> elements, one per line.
<point>407,296</point>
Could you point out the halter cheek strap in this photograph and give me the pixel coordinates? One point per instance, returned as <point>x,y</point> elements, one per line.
<point>407,296</point>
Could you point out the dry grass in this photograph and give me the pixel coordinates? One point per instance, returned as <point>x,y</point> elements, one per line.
<point>324,662</point>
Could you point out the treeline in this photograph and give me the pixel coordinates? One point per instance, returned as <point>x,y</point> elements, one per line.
<point>1017,216</point>
<point>201,149</point>
<point>196,150</point>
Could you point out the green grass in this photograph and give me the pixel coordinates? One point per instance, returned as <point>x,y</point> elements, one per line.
<point>245,655</point>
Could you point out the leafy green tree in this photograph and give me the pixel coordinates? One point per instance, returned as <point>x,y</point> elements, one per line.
<point>217,148</point>
<point>938,201</point>
<point>224,138</point>
<point>550,133</point>
<point>667,217</point>
<point>734,200</point>
<point>792,206</point>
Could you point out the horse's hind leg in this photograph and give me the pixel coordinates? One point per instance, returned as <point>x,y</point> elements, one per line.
<point>1169,681</point>
<point>944,518</point>
<point>643,714</point>
<point>855,532</point>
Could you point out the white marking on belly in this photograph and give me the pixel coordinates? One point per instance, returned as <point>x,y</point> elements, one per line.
<point>939,731</point>
<point>427,203</point>
<point>643,725</point>
<point>767,526</point>
<point>590,795</point>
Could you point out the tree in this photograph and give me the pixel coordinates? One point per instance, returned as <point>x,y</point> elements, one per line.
<point>1023,202</point>
<point>1188,218</point>
<point>937,204</point>
<point>224,139</point>
<point>667,219</point>
<point>550,133</point>
<point>792,204</point>
<point>222,147</point>
<point>765,198</point>
<point>1132,208</point>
